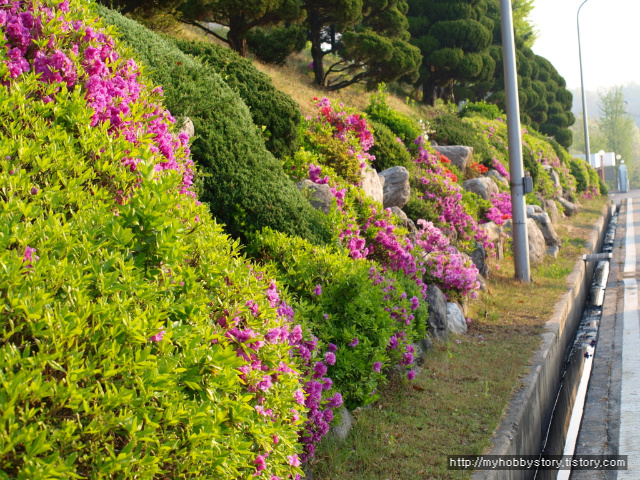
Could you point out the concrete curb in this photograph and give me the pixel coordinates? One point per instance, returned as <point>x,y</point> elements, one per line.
<point>526,420</point>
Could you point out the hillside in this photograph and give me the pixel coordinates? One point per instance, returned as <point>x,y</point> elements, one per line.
<point>202,273</point>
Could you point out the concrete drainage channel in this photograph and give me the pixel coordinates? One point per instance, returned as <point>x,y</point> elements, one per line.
<point>539,415</point>
<point>566,417</point>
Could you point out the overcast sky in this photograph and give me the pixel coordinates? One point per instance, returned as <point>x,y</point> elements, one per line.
<point>610,31</point>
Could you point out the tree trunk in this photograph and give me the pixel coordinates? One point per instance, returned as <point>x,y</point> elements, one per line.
<point>237,35</point>
<point>429,94</point>
<point>448,95</point>
<point>315,25</point>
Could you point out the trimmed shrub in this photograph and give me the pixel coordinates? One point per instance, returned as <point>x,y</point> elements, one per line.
<point>348,303</point>
<point>388,149</point>
<point>137,341</point>
<point>275,44</point>
<point>581,174</point>
<point>271,109</point>
<point>401,125</point>
<point>452,130</point>
<point>483,109</point>
<point>241,181</point>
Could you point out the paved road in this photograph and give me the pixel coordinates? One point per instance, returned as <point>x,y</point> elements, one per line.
<point>611,420</point>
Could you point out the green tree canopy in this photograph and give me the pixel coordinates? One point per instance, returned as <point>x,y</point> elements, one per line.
<point>454,38</point>
<point>240,16</point>
<point>374,50</point>
<point>615,123</point>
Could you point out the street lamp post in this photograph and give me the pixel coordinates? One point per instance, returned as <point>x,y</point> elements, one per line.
<point>585,118</point>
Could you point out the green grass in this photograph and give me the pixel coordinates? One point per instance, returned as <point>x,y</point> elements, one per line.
<point>456,401</point>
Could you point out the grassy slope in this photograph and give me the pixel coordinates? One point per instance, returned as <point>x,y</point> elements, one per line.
<point>457,400</point>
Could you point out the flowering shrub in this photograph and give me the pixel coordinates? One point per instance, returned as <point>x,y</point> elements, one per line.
<point>501,209</point>
<point>455,274</point>
<point>365,316</point>
<point>439,200</point>
<point>341,137</point>
<point>138,343</point>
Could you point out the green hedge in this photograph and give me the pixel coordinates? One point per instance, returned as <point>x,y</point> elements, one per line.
<point>115,361</point>
<point>351,304</point>
<point>241,181</point>
<point>389,152</point>
<point>269,107</point>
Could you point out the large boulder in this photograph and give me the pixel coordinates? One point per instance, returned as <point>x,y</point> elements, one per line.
<point>495,175</point>
<point>537,246</point>
<point>406,222</point>
<point>341,431</point>
<point>371,184</point>
<point>551,208</point>
<point>396,187</point>
<point>187,126</point>
<point>437,321</point>
<point>570,208</point>
<point>555,178</point>
<point>533,210</point>
<point>459,155</point>
<point>482,186</point>
<point>319,195</point>
<point>479,259</point>
<point>497,236</point>
<point>455,319</point>
<point>548,232</point>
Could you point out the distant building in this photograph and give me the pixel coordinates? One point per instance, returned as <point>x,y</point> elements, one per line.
<point>601,159</point>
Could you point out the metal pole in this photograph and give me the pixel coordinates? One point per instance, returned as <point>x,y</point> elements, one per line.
<point>585,119</point>
<point>518,206</point>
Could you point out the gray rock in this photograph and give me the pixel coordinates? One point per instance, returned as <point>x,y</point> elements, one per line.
<point>479,259</point>
<point>570,208</point>
<point>396,187</point>
<point>418,354</point>
<point>553,251</point>
<point>459,155</point>
<point>426,344</point>
<point>341,431</point>
<point>405,221</point>
<point>319,196</point>
<point>537,246</point>
<point>533,210</point>
<point>552,210</point>
<point>371,184</point>
<point>482,186</point>
<point>568,195</point>
<point>548,232</point>
<point>483,283</point>
<point>555,178</point>
<point>497,177</point>
<point>187,126</point>
<point>495,234</point>
<point>438,325</point>
<point>455,319</point>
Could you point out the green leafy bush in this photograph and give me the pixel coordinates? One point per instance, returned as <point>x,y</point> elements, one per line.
<point>481,109</point>
<point>401,125</point>
<point>270,108</point>
<point>343,299</point>
<point>123,304</point>
<point>452,130</point>
<point>581,174</point>
<point>389,152</point>
<point>243,184</point>
<point>275,44</point>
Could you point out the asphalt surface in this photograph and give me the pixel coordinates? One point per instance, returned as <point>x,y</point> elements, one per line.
<point>611,419</point>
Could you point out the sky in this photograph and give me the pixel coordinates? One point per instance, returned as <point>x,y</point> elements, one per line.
<point>610,34</point>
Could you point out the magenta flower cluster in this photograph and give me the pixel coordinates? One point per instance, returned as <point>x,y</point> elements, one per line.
<point>445,198</point>
<point>501,209</point>
<point>84,58</point>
